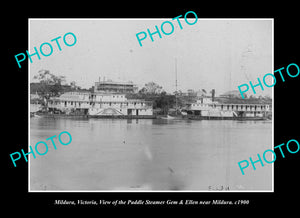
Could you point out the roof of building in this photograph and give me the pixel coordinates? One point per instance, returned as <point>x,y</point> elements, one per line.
<point>113,82</point>
<point>232,93</point>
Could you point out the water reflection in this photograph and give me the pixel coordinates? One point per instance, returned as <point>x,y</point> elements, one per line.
<point>116,154</point>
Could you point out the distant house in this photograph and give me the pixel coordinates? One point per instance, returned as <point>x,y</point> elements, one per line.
<point>110,86</point>
<point>201,93</point>
<point>191,92</point>
<point>231,94</point>
<point>234,97</point>
<point>35,102</point>
<point>37,90</point>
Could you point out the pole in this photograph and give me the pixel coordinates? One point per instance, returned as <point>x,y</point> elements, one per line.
<point>176,86</point>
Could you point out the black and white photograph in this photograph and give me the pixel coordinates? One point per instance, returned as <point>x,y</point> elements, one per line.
<point>191,106</point>
<point>150,104</point>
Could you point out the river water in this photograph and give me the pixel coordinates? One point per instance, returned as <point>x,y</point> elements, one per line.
<point>146,154</point>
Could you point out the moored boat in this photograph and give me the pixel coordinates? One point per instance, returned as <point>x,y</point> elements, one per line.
<point>206,109</point>
<point>168,117</point>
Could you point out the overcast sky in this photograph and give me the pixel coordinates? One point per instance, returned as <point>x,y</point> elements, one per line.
<point>219,54</point>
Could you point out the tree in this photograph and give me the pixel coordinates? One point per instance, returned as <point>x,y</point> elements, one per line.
<point>45,77</point>
<point>74,86</point>
<point>151,88</point>
<point>165,101</point>
<point>50,85</point>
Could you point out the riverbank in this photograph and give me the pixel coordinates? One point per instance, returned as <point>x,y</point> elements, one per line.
<point>85,116</point>
<point>191,117</point>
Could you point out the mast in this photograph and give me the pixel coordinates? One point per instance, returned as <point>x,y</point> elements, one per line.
<point>176,86</point>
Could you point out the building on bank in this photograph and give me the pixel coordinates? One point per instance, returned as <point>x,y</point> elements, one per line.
<point>109,86</point>
<point>35,103</point>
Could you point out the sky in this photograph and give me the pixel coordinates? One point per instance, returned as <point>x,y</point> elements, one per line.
<point>218,54</point>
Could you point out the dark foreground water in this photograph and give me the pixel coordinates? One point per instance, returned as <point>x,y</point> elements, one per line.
<point>107,154</point>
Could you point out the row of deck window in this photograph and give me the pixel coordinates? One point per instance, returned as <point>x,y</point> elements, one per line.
<point>93,103</point>
<point>234,106</point>
<point>242,107</point>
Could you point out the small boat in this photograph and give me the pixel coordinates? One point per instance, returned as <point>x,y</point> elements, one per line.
<point>33,114</point>
<point>168,117</point>
<point>184,113</point>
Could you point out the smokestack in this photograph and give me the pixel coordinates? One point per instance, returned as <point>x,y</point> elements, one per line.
<point>213,95</point>
<point>99,78</point>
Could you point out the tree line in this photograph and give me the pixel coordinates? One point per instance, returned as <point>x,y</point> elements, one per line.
<point>51,86</point>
